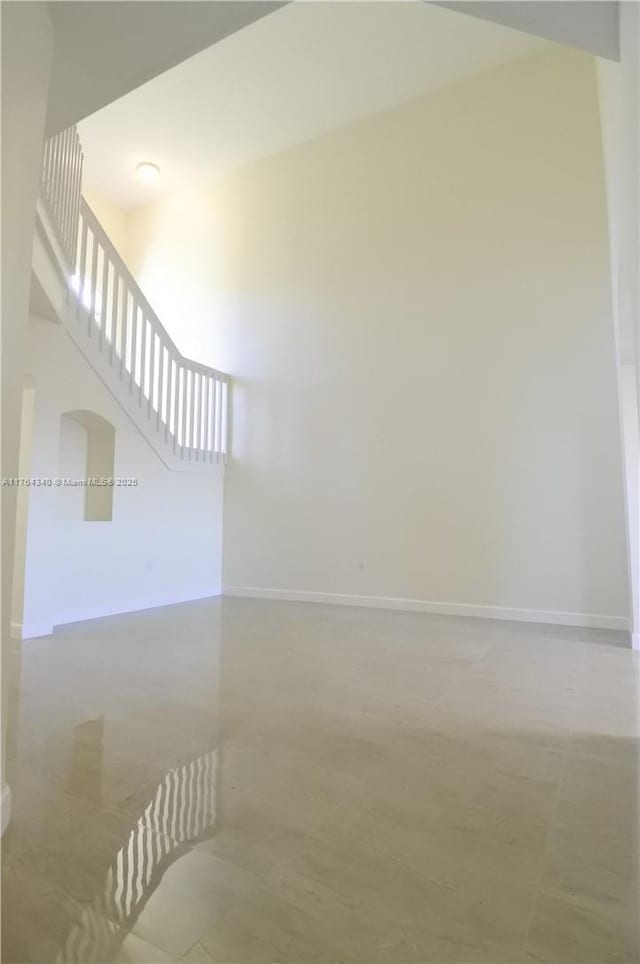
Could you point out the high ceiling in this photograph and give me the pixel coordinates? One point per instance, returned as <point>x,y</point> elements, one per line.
<point>305,69</point>
<point>115,47</point>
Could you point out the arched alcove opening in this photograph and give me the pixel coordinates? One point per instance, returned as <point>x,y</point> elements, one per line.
<point>86,460</point>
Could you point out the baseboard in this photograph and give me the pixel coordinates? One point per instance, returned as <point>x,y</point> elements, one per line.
<point>583,620</point>
<point>5,806</point>
<point>31,630</point>
<point>132,606</point>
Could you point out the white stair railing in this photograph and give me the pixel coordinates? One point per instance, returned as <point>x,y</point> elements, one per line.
<point>180,405</point>
<point>60,188</point>
<point>186,401</point>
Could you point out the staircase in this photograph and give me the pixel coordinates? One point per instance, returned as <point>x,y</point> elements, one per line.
<point>180,406</point>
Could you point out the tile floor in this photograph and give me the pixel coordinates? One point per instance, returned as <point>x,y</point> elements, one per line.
<point>252,782</point>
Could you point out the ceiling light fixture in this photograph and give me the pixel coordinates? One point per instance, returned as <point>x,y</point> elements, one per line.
<point>148,172</point>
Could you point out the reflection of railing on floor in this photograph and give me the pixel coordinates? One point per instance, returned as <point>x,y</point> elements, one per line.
<point>182,810</point>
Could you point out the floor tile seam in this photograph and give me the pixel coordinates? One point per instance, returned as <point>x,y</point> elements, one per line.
<point>407,866</point>
<point>465,674</point>
<point>190,949</point>
<point>607,907</point>
<point>57,789</point>
<point>566,825</point>
<point>153,946</point>
<point>545,850</point>
<point>99,903</point>
<point>544,856</point>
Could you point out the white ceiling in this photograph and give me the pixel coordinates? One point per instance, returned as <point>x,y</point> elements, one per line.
<point>296,73</point>
<point>115,47</point>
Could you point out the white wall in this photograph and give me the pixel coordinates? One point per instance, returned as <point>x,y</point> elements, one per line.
<point>164,543</point>
<point>416,311</point>
<point>27,49</point>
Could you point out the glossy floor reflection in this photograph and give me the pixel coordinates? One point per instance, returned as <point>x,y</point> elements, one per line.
<point>241,781</point>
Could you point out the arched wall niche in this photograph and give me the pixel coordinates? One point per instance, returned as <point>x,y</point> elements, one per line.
<point>86,454</point>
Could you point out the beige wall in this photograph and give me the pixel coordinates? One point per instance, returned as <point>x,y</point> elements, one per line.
<point>112,219</point>
<point>27,49</point>
<point>22,505</point>
<point>619,90</point>
<point>416,311</point>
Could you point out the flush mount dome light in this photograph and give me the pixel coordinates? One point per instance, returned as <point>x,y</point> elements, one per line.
<point>148,172</point>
